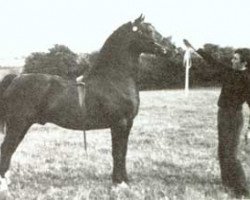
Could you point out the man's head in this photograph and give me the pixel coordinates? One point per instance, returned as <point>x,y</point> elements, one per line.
<point>241,59</point>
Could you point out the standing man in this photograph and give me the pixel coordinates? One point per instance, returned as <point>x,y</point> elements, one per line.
<point>235,91</point>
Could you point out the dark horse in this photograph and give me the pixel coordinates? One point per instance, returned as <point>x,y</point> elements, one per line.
<point>111,100</point>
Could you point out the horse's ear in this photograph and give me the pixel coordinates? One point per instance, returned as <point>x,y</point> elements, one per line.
<point>140,19</point>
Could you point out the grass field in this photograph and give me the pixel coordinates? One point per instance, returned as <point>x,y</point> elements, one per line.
<point>172,154</point>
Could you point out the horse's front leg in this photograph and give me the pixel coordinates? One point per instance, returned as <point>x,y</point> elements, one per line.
<point>120,133</point>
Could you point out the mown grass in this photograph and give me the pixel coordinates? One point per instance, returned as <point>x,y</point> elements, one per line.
<point>172,154</point>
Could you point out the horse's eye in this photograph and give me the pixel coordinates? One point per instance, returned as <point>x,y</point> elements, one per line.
<point>135,28</point>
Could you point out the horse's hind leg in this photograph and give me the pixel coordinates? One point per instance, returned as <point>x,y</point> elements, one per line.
<point>120,133</point>
<point>16,130</point>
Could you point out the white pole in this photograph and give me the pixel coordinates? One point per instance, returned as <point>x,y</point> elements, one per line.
<point>187,79</point>
<point>187,64</point>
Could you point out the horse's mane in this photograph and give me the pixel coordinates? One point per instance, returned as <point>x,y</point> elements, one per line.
<point>111,45</point>
<point>115,38</point>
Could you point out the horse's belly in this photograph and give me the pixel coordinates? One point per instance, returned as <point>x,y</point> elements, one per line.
<point>77,120</point>
<point>81,125</point>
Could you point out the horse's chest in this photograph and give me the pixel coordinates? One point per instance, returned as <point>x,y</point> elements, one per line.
<point>125,102</point>
<point>117,103</point>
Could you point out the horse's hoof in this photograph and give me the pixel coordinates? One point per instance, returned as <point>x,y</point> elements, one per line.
<point>120,186</point>
<point>4,195</point>
<point>119,190</point>
<point>123,185</point>
<point>4,192</point>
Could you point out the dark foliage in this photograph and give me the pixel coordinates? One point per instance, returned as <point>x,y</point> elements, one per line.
<point>155,72</point>
<point>60,60</point>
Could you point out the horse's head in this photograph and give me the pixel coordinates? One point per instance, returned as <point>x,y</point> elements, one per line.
<point>125,45</point>
<point>145,38</point>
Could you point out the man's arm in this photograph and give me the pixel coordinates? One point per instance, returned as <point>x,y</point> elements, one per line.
<point>211,60</point>
<point>207,57</point>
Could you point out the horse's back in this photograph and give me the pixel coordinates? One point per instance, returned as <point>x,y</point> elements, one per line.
<point>4,71</point>
<point>27,86</point>
<point>27,92</point>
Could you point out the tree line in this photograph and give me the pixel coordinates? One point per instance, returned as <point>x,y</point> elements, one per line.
<point>155,72</point>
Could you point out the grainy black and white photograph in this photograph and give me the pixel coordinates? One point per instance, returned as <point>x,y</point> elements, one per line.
<point>124,100</point>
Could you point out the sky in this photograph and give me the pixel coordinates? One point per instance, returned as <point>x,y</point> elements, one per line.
<point>83,25</point>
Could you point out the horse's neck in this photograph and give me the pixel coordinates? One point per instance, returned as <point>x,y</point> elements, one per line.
<point>119,60</point>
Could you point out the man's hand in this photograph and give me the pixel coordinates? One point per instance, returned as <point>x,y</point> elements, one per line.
<point>188,45</point>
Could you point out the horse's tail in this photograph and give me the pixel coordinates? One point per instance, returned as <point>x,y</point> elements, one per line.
<point>3,86</point>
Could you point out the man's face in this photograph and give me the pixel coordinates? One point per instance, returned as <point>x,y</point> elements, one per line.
<point>236,62</point>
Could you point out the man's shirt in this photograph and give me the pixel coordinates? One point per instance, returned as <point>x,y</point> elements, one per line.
<point>234,90</point>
